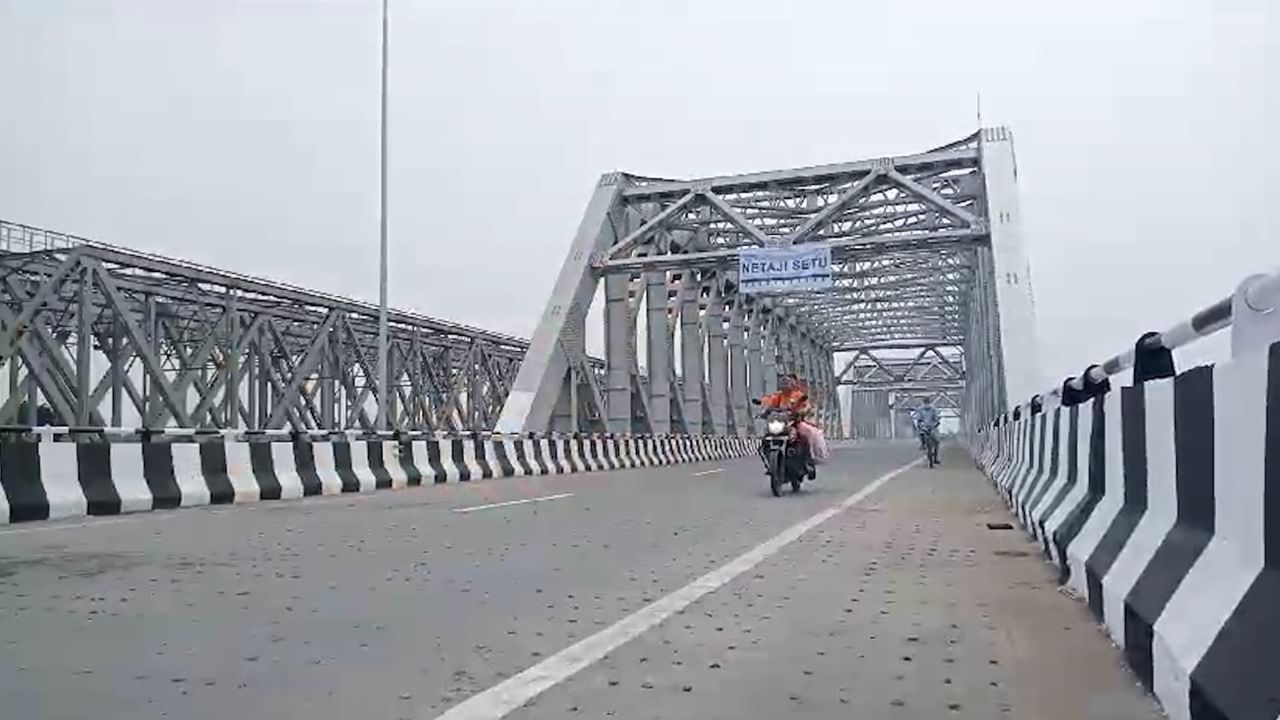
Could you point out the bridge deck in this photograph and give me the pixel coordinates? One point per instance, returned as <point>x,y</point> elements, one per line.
<point>395,605</point>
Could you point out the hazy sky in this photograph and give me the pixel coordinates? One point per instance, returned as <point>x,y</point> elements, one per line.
<point>244,134</point>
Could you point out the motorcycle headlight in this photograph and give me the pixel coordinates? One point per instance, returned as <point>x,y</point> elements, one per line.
<point>775,427</point>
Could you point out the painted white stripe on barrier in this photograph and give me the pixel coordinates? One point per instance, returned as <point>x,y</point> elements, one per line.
<point>391,461</point>
<point>564,446</point>
<point>486,455</point>
<point>1162,507</point>
<point>1031,468</point>
<point>649,451</point>
<point>611,453</point>
<point>469,459</point>
<point>327,468</point>
<point>240,472</point>
<point>510,445</point>
<point>5,517</point>
<point>526,446</point>
<point>360,465</point>
<point>286,470</point>
<point>553,465</point>
<point>189,476</point>
<point>589,452</point>
<point>1234,556</point>
<point>1113,497</point>
<point>1084,425</point>
<point>422,461</point>
<point>505,697</point>
<point>1053,482</point>
<point>129,478</point>
<point>60,475</point>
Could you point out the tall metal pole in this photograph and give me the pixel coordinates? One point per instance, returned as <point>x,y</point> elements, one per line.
<point>384,393</point>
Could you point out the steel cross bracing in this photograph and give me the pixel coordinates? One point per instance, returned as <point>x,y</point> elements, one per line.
<point>914,264</point>
<point>908,375</point>
<point>95,335</point>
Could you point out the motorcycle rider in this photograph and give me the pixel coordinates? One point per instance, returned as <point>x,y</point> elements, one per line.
<point>793,397</point>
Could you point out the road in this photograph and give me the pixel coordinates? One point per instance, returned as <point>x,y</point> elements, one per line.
<point>688,584</point>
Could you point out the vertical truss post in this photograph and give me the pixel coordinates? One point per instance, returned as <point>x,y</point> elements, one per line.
<point>390,393</point>
<point>755,361</point>
<point>10,410</point>
<point>786,348</point>
<point>251,378</point>
<point>33,397</point>
<point>691,347</point>
<point>769,328</point>
<point>619,351</point>
<point>265,369</point>
<point>151,341</point>
<point>659,352</point>
<point>830,393</point>
<point>717,360</point>
<point>231,364</point>
<point>117,369</point>
<point>328,381</point>
<point>84,346</point>
<point>738,391</point>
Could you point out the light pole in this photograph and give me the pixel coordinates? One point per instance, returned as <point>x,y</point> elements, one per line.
<point>384,392</point>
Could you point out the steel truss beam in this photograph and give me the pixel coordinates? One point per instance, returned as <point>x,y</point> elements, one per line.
<point>912,244</point>
<point>100,335</point>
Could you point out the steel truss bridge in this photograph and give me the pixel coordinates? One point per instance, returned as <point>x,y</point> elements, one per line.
<point>95,335</point>
<point>931,296</point>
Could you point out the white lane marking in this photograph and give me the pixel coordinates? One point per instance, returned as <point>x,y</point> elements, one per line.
<point>544,498</point>
<point>501,699</point>
<point>708,472</point>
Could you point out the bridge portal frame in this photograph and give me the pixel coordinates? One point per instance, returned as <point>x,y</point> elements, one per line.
<point>927,251</point>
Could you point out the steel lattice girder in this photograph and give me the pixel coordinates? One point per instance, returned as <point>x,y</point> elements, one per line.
<point>168,343</point>
<point>914,262</point>
<point>916,370</point>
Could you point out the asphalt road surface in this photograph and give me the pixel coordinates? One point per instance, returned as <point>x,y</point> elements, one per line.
<point>680,592</point>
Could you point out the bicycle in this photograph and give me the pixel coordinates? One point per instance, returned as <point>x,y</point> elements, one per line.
<point>929,441</point>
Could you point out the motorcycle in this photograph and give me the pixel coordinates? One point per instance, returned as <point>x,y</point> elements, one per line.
<point>781,452</point>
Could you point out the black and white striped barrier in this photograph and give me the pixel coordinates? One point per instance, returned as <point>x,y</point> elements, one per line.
<point>50,474</point>
<point>1160,503</point>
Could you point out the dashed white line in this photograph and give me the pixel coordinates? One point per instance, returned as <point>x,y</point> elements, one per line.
<point>708,472</point>
<point>508,503</point>
<point>501,699</point>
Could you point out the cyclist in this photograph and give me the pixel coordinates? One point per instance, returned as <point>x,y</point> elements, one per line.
<point>915,426</point>
<point>927,421</point>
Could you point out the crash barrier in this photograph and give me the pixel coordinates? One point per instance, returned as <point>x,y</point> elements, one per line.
<point>1160,505</point>
<point>60,473</point>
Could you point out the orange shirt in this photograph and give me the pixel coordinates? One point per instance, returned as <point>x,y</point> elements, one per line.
<point>796,400</point>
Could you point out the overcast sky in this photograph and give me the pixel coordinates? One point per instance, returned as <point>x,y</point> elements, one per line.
<point>245,134</point>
